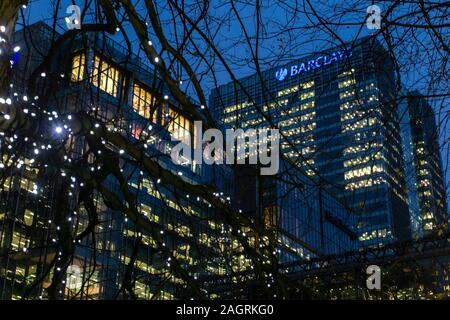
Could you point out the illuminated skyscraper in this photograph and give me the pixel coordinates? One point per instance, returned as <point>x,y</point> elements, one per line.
<point>336,114</point>
<point>424,174</point>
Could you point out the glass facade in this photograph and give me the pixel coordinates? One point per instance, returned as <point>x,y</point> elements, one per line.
<point>311,221</point>
<point>424,174</point>
<point>337,125</point>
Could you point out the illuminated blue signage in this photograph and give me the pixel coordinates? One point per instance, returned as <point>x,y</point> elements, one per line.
<point>281,74</point>
<point>313,64</point>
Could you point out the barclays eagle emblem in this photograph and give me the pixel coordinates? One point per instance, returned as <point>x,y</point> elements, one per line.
<point>281,74</point>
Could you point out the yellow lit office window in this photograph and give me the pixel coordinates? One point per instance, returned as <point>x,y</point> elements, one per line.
<point>307,105</point>
<point>18,241</point>
<point>426,193</point>
<point>235,107</point>
<point>183,231</point>
<point>20,274</point>
<point>287,91</point>
<point>308,116</point>
<point>230,119</point>
<point>307,85</point>
<point>365,183</point>
<point>142,291</point>
<point>28,217</point>
<point>147,211</point>
<point>424,183</point>
<point>428,216</point>
<point>347,83</point>
<point>74,278</point>
<point>105,76</point>
<point>307,150</point>
<point>143,102</point>
<point>428,226</point>
<point>78,64</point>
<point>31,277</point>
<point>270,217</point>
<point>272,105</point>
<point>347,94</point>
<point>166,295</point>
<point>359,124</point>
<point>307,95</point>
<point>179,126</point>
<point>374,234</point>
<point>362,160</point>
<point>308,127</point>
<point>360,172</point>
<point>420,151</point>
<point>204,239</point>
<point>240,263</point>
<point>347,73</point>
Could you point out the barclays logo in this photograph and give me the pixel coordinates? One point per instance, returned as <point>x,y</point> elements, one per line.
<point>281,74</point>
<point>317,63</point>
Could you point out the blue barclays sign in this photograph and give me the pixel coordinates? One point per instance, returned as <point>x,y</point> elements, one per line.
<point>313,64</point>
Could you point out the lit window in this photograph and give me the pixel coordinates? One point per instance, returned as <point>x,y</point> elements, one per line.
<point>346,94</point>
<point>179,126</point>
<point>371,121</point>
<point>308,116</point>
<point>270,217</point>
<point>136,131</point>
<point>78,64</point>
<point>363,172</point>
<point>307,95</point>
<point>307,105</point>
<point>307,85</point>
<point>346,83</point>
<point>28,217</point>
<point>428,216</point>
<point>429,226</point>
<point>230,119</point>
<point>235,107</point>
<point>287,91</point>
<point>105,76</point>
<point>74,278</point>
<point>374,234</point>
<point>18,241</point>
<point>273,105</point>
<point>143,102</point>
<point>362,160</point>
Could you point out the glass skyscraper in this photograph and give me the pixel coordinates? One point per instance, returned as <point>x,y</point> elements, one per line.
<point>337,120</point>
<point>424,174</point>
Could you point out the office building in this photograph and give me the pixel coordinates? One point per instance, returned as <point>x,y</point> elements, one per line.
<point>95,74</point>
<point>336,113</point>
<point>424,174</point>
